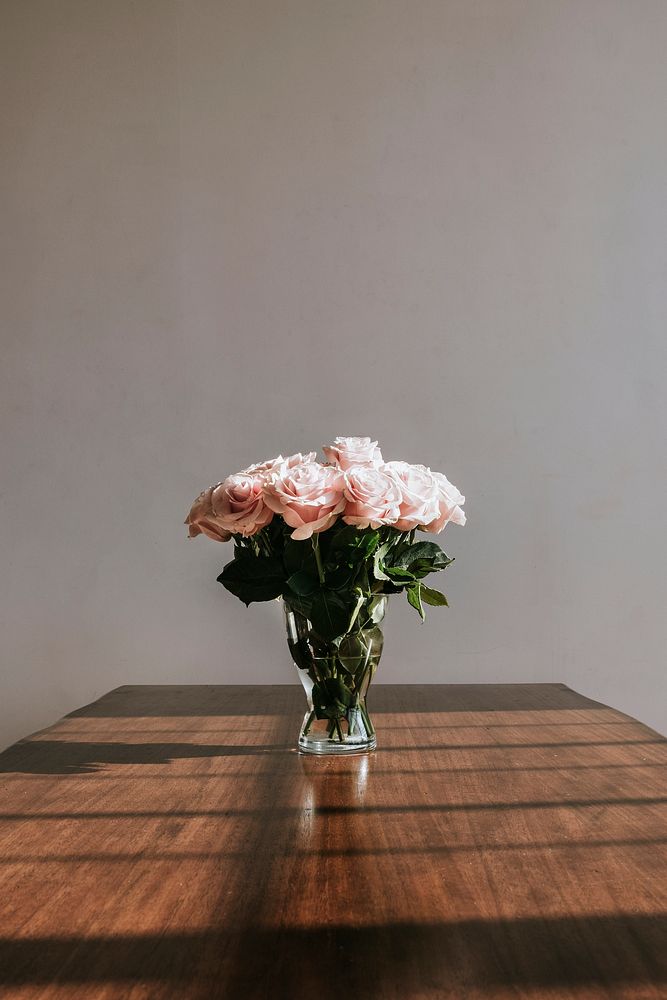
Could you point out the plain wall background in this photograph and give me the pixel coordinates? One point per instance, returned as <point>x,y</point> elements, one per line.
<point>233,228</point>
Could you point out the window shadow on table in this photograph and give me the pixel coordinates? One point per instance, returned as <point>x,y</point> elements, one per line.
<point>177,857</point>
<point>451,959</point>
<point>72,757</point>
<point>177,700</point>
<point>75,757</point>
<point>235,699</point>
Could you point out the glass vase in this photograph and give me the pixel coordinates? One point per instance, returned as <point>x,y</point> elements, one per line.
<point>336,677</point>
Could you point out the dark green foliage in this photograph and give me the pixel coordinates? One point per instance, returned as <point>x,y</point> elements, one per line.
<point>298,556</point>
<point>302,583</point>
<point>333,578</point>
<point>331,612</point>
<point>253,578</point>
<point>420,558</point>
<point>331,698</point>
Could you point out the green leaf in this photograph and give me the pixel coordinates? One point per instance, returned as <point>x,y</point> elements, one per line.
<point>429,551</point>
<point>253,578</point>
<point>369,539</point>
<point>299,556</point>
<point>414,599</point>
<point>352,652</point>
<point>340,578</point>
<point>350,547</point>
<point>378,561</point>
<point>275,534</point>
<point>371,611</point>
<point>302,583</point>
<point>397,574</point>
<point>300,605</point>
<point>331,698</point>
<point>375,610</point>
<point>420,558</point>
<point>347,535</point>
<point>433,597</point>
<point>332,612</point>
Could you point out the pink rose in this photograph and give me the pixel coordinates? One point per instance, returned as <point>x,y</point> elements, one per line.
<point>239,505</point>
<point>373,497</point>
<point>309,496</point>
<point>348,451</point>
<point>202,520</point>
<point>420,494</point>
<point>235,506</point>
<point>450,501</point>
<point>262,468</point>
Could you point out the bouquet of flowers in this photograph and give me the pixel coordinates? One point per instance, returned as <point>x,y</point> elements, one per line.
<point>331,539</point>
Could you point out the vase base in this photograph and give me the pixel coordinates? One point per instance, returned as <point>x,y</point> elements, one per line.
<point>323,746</point>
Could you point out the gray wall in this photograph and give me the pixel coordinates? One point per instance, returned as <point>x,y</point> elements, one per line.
<point>237,228</point>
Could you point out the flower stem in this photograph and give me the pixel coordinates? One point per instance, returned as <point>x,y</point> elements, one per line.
<point>264,542</point>
<point>306,728</point>
<point>315,541</point>
<point>367,719</point>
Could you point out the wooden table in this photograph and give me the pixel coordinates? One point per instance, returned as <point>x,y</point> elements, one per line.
<point>168,842</point>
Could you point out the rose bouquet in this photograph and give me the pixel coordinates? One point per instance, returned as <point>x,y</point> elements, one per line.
<point>333,540</point>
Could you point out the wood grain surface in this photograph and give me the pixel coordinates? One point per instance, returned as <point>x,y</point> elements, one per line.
<point>168,842</point>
